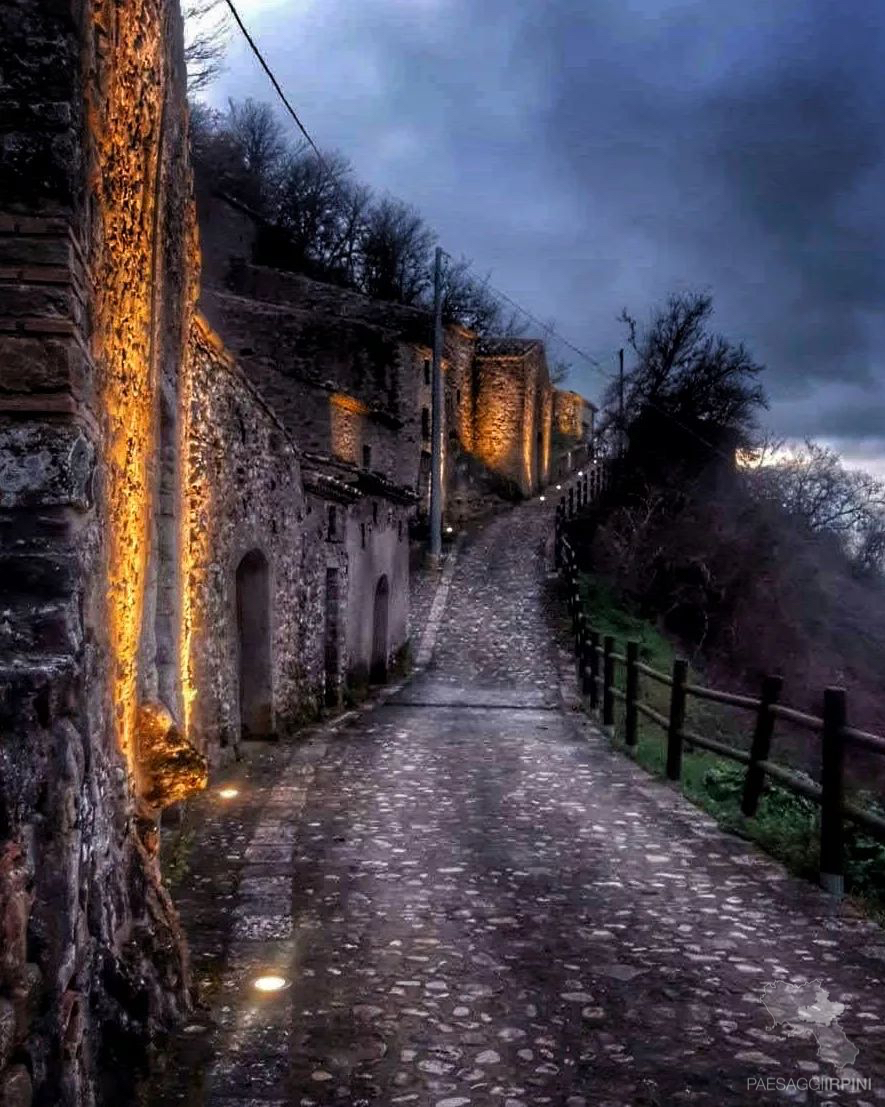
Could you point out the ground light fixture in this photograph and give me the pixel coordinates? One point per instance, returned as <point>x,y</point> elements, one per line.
<point>449,530</point>
<point>269,983</point>
<point>543,498</point>
<point>229,793</point>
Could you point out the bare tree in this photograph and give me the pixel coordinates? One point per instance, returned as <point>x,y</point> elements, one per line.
<point>559,372</point>
<point>259,137</point>
<point>323,213</point>
<point>468,300</point>
<point>206,30</point>
<point>685,372</point>
<point>818,492</point>
<point>395,254</point>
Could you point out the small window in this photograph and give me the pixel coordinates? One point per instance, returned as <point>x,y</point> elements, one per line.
<point>367,457</point>
<point>399,530</point>
<point>427,370</point>
<point>363,535</point>
<point>458,395</point>
<point>425,423</point>
<point>375,513</point>
<point>332,532</point>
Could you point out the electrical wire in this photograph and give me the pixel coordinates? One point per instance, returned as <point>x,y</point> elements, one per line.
<point>275,82</point>
<point>547,327</point>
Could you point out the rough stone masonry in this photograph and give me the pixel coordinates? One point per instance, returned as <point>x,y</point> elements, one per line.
<point>98,276</point>
<point>183,563</point>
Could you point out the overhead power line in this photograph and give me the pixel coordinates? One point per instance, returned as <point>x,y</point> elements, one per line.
<point>548,327</point>
<point>611,375</point>
<point>275,82</point>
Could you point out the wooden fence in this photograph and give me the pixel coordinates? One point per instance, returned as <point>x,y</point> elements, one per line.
<point>598,659</point>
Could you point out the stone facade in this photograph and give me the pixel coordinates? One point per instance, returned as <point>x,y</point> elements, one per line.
<point>362,375</point>
<point>245,501</point>
<point>573,416</point>
<point>204,532</point>
<point>98,278</point>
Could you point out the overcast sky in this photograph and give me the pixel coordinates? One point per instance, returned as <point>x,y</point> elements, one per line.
<point>596,155</point>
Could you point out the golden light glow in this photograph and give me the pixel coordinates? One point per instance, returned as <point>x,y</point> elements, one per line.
<point>547,433</point>
<point>346,416</point>
<point>195,513</point>
<point>229,793</point>
<point>269,983</point>
<point>348,403</point>
<point>125,126</point>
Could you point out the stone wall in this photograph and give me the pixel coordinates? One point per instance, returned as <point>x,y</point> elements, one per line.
<point>513,411</point>
<point>572,415</point>
<point>245,495</point>
<point>345,372</point>
<point>337,388</point>
<point>321,540</point>
<point>378,556</point>
<point>96,285</point>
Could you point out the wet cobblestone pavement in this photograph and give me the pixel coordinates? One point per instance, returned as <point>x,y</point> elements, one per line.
<point>475,902</point>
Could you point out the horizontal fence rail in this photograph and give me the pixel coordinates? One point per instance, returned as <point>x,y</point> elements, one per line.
<point>597,662</point>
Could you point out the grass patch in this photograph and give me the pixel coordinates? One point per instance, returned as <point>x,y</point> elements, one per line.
<point>786,825</point>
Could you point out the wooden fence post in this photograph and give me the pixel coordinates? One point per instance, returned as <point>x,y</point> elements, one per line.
<point>754,781</point>
<point>608,681</point>
<point>594,669</point>
<point>587,684</point>
<point>631,716</point>
<point>677,719</point>
<point>580,634</point>
<point>832,834</point>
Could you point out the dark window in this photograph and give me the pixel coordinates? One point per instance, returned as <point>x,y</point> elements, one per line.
<point>399,530</point>
<point>363,535</point>
<point>375,513</point>
<point>367,457</point>
<point>425,423</point>
<point>458,395</point>
<point>427,370</point>
<point>333,522</point>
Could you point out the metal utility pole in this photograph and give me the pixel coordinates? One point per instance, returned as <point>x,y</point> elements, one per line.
<point>436,422</point>
<point>622,434</point>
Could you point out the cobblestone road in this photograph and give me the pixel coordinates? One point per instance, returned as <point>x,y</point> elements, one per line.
<point>475,902</point>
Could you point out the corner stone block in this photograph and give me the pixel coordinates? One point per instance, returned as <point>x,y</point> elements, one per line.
<point>45,465</point>
<point>36,365</point>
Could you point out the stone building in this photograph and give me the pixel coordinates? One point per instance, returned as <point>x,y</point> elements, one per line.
<point>204,517</point>
<point>573,416</point>
<point>573,432</point>
<point>98,281</point>
<point>343,350</point>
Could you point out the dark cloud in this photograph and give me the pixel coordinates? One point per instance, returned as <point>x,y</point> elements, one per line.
<point>596,156</point>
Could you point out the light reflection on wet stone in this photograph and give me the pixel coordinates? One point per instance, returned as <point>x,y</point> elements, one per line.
<point>480,906</point>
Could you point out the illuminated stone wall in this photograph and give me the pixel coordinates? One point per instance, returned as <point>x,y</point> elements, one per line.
<point>98,275</point>
<point>513,411</point>
<point>245,494</point>
<point>345,372</point>
<point>572,415</point>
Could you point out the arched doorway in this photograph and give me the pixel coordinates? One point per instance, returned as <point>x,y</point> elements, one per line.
<point>378,669</point>
<point>253,634</point>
